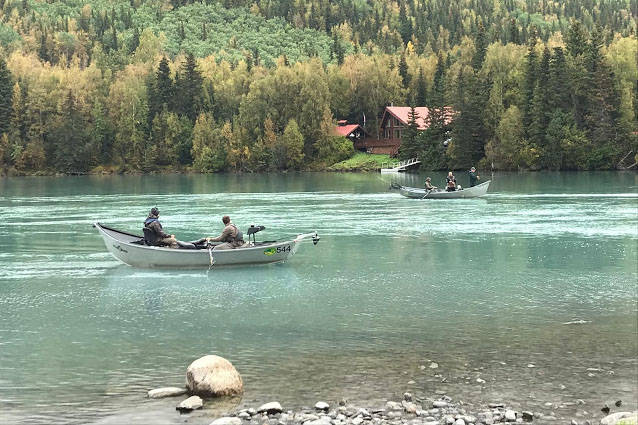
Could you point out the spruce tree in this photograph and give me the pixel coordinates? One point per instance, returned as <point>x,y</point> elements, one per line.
<point>559,92</point>
<point>480,43</point>
<point>405,24</point>
<point>438,89</point>
<point>540,108</point>
<point>421,94</point>
<point>410,147</point>
<point>531,74</point>
<point>403,71</point>
<point>6,94</point>
<point>190,89</point>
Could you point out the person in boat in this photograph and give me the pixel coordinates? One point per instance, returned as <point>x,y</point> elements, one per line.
<point>157,236</point>
<point>428,184</point>
<point>450,182</point>
<point>231,236</point>
<point>474,177</point>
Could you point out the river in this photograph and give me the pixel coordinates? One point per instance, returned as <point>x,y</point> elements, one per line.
<point>532,288</point>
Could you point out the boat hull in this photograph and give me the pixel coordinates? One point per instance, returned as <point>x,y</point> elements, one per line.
<point>123,246</point>
<point>472,192</point>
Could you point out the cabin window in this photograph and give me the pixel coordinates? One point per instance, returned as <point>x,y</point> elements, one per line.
<point>397,134</point>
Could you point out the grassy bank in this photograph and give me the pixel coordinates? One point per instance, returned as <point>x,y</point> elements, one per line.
<point>363,162</point>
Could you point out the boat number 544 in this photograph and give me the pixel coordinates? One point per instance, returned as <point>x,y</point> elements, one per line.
<point>278,250</point>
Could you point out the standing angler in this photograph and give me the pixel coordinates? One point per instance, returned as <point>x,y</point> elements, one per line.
<point>474,177</point>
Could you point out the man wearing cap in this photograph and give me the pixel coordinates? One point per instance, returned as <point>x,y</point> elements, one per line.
<point>157,236</point>
<point>474,177</point>
<point>231,236</point>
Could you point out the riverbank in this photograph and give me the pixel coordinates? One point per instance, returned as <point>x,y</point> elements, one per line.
<point>411,409</point>
<point>359,162</point>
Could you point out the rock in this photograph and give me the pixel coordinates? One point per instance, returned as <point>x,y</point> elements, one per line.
<point>531,365</point>
<point>407,396</point>
<point>467,418</point>
<point>244,415</point>
<point>305,417</point>
<point>322,405</point>
<point>411,382</point>
<point>496,405</point>
<point>226,421</point>
<point>270,408</point>
<point>409,407</point>
<point>357,421</point>
<point>574,422</point>
<point>364,412</point>
<point>251,411</point>
<point>166,392</point>
<point>618,403</point>
<point>480,381</point>
<point>527,416</point>
<point>393,405</point>
<point>434,365</point>
<point>439,403</point>
<point>510,415</point>
<point>212,376</point>
<point>422,367</point>
<point>580,401</point>
<point>459,422</point>
<point>191,403</point>
<point>615,418</point>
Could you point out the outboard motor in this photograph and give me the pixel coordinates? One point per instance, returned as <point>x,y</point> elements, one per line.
<point>252,230</point>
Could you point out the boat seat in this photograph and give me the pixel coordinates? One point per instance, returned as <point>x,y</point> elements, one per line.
<point>149,237</point>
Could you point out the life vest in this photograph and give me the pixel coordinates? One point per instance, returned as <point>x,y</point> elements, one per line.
<point>150,220</point>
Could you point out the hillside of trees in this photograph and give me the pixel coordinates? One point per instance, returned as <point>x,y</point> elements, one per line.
<point>158,85</point>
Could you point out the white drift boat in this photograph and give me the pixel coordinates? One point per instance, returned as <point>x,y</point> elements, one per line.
<point>132,250</point>
<point>471,192</point>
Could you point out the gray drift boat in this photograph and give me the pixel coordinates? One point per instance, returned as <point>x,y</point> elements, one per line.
<point>132,250</point>
<point>471,192</point>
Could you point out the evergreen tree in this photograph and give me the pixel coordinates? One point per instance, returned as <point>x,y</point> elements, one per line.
<point>161,91</point>
<point>405,24</point>
<point>559,92</point>
<point>421,94</point>
<point>438,88</point>
<point>540,107</point>
<point>433,149</point>
<point>403,71</point>
<point>410,146</point>
<point>70,138</point>
<point>190,89</point>
<point>480,43</point>
<point>337,49</point>
<point>531,75</point>
<point>6,94</point>
<point>576,42</point>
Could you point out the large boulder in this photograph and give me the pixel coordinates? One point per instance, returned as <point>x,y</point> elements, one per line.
<point>619,417</point>
<point>212,376</point>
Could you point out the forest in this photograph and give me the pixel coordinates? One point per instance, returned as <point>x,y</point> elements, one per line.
<point>142,86</point>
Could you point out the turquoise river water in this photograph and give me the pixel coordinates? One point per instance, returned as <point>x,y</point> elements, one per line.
<point>540,272</point>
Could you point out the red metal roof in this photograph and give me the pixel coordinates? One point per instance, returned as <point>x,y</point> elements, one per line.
<point>402,113</point>
<point>345,130</point>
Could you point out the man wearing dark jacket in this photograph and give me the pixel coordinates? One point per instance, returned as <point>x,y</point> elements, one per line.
<point>157,235</point>
<point>474,177</point>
